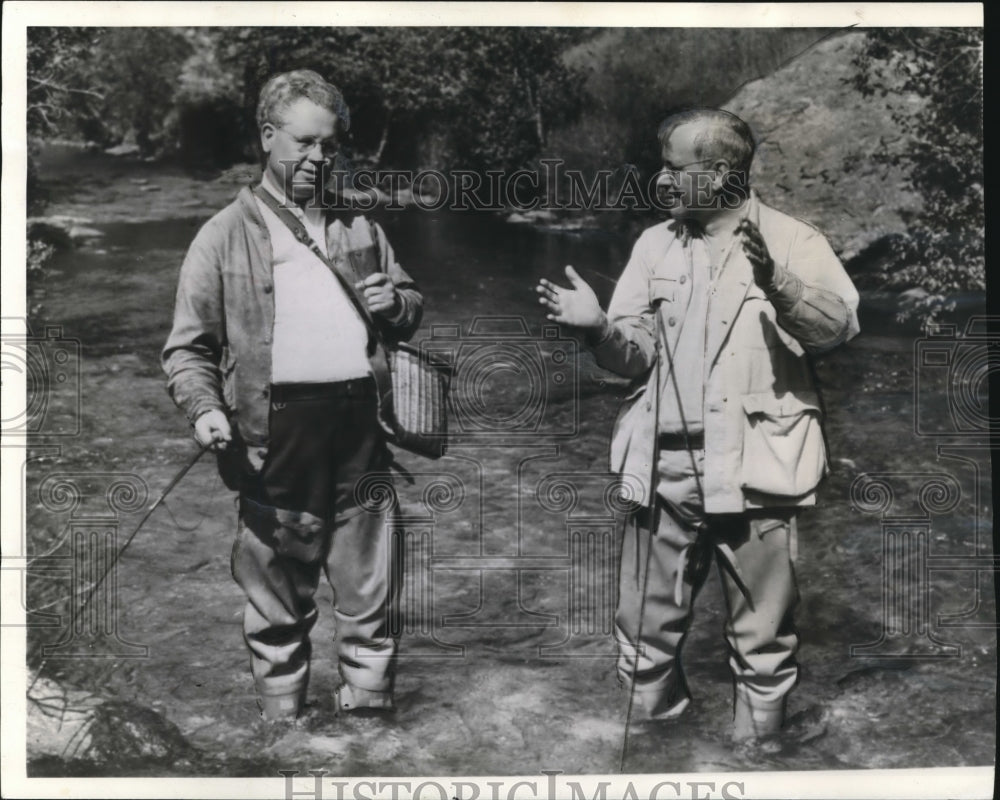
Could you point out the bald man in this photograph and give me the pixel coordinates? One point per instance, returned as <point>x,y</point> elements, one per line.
<point>713,319</point>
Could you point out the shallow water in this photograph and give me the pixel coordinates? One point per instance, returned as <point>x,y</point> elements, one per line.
<point>494,678</point>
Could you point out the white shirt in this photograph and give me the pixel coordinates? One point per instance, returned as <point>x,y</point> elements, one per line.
<point>319,336</point>
<point>706,257</point>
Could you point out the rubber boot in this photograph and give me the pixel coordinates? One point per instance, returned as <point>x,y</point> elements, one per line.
<point>754,721</point>
<point>354,698</point>
<point>280,706</point>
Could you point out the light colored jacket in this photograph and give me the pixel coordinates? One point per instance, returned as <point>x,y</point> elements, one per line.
<point>762,416</point>
<point>218,354</point>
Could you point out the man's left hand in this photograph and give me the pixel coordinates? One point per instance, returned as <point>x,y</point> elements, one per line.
<point>380,294</point>
<point>757,254</point>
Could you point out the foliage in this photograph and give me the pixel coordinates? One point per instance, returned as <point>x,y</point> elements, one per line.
<point>381,72</point>
<point>204,124</point>
<point>38,256</point>
<point>511,88</point>
<point>137,70</point>
<point>59,91</point>
<point>57,96</point>
<point>104,84</point>
<point>943,252</point>
<point>470,98</point>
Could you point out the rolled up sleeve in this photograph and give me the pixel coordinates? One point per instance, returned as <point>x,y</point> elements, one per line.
<point>411,302</point>
<point>626,344</point>
<point>815,299</point>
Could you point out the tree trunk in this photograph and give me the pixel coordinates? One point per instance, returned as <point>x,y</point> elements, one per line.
<point>539,120</point>
<point>383,139</point>
<point>535,103</point>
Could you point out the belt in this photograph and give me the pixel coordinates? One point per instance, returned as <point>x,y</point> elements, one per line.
<point>680,441</point>
<point>290,392</point>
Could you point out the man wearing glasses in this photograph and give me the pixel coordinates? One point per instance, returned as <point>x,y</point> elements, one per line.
<point>273,359</point>
<point>713,318</point>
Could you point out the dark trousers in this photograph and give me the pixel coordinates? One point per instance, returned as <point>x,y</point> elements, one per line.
<point>309,509</point>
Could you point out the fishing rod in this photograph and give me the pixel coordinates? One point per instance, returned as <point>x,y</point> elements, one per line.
<point>600,275</point>
<point>118,554</point>
<point>652,509</point>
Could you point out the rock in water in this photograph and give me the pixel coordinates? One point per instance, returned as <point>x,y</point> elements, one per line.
<point>45,231</point>
<point>127,732</point>
<point>79,233</point>
<point>71,725</point>
<point>123,150</point>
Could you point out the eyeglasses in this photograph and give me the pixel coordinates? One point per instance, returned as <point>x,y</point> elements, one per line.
<point>671,169</point>
<point>305,144</point>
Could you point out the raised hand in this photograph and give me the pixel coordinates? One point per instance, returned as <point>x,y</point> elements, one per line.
<point>758,255</point>
<point>576,306</point>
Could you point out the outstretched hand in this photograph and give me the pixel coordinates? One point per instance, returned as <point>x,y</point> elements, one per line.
<point>576,306</point>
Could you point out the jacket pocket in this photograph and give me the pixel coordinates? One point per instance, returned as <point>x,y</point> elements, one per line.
<point>783,449</point>
<point>664,289</point>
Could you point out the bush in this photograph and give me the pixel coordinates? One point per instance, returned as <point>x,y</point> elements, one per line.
<point>943,251</point>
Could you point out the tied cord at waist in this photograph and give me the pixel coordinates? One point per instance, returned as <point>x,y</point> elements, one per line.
<point>694,558</point>
<point>678,441</point>
<point>290,392</point>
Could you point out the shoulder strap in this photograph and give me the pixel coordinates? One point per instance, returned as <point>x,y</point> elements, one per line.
<point>294,224</point>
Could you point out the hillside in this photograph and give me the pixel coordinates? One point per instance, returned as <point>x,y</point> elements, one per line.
<point>633,77</point>
<point>817,135</point>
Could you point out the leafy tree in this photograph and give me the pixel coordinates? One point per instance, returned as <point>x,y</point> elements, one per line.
<point>138,71</point>
<point>204,124</point>
<point>103,84</point>
<point>381,71</point>
<point>941,68</point>
<point>59,92</point>
<point>487,96</point>
<point>510,89</point>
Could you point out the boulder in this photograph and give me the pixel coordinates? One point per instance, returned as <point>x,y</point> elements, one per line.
<point>80,233</point>
<point>123,149</point>
<point>817,136</point>
<point>42,230</point>
<point>68,724</point>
